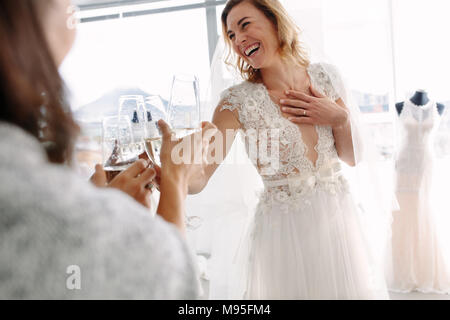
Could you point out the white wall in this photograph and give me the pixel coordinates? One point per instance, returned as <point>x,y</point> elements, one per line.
<point>422,47</point>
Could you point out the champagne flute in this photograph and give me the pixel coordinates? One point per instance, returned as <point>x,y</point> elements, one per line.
<point>184,105</point>
<point>152,135</point>
<point>133,107</point>
<point>184,118</point>
<point>118,146</point>
<point>155,106</point>
<point>154,111</point>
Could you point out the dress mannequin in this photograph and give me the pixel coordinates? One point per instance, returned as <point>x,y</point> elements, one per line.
<point>419,259</point>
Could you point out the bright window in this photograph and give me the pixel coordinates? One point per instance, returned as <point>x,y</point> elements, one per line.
<point>141,52</point>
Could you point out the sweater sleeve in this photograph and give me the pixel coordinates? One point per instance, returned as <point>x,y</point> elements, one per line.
<point>59,223</point>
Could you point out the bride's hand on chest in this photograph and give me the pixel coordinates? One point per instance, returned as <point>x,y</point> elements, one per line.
<point>315,109</point>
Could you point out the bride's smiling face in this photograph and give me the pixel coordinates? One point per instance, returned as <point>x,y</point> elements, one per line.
<point>252,35</point>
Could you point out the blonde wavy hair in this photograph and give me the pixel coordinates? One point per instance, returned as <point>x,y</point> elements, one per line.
<point>288,35</point>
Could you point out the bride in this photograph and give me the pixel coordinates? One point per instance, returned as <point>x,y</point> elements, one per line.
<point>306,240</point>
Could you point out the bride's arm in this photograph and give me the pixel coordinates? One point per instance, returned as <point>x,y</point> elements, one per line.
<point>343,139</point>
<point>224,120</point>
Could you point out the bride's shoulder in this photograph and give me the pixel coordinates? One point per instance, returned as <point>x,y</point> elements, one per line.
<point>327,78</point>
<point>239,92</point>
<point>240,96</point>
<point>322,69</point>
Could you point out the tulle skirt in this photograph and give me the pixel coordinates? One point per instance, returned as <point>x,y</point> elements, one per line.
<point>311,248</point>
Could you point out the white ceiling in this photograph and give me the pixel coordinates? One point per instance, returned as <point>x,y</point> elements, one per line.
<point>94,4</point>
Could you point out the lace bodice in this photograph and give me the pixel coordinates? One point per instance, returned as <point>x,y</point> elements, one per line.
<point>275,144</point>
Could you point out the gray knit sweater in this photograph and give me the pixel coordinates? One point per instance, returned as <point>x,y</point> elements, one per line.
<point>60,237</point>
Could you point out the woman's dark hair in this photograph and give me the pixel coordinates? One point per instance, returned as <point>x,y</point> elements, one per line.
<point>31,89</point>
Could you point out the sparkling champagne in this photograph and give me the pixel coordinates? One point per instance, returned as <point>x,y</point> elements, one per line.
<point>114,171</point>
<point>153,148</point>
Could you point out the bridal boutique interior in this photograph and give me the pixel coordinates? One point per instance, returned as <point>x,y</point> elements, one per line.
<point>393,58</point>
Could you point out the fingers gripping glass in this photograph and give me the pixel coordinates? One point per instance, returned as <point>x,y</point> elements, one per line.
<point>133,107</point>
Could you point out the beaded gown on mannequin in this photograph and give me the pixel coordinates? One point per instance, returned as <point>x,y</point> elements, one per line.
<point>418,260</point>
<point>305,240</point>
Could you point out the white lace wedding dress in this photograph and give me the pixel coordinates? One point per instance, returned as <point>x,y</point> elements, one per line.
<point>305,240</point>
<point>418,258</point>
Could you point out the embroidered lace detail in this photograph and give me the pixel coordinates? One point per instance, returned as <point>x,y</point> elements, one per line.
<point>265,126</point>
<point>325,78</point>
<point>299,197</point>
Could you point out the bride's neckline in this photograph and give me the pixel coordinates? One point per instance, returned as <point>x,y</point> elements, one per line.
<point>308,75</point>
